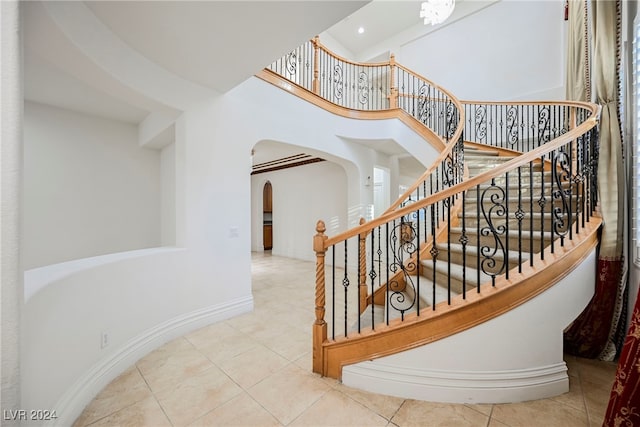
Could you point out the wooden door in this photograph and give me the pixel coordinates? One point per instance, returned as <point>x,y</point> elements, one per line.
<point>267,213</point>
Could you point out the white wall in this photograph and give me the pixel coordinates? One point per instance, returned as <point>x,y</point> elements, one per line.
<point>11,290</point>
<point>509,50</point>
<point>301,196</point>
<point>168,195</point>
<point>89,189</point>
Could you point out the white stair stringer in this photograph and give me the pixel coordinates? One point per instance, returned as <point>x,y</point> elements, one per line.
<point>514,357</point>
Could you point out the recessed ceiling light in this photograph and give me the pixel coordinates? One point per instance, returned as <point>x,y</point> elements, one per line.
<point>360,30</point>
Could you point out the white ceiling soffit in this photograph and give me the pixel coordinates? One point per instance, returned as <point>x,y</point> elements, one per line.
<point>218,44</point>
<point>47,84</point>
<point>410,167</point>
<point>51,57</point>
<point>382,145</point>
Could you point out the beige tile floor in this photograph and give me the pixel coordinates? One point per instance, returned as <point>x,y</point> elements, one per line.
<point>255,370</point>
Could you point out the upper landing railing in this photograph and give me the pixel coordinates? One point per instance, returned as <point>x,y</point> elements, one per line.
<point>384,86</point>
<point>370,86</point>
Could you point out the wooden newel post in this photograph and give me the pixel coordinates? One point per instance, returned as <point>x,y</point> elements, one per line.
<point>393,90</point>
<point>362,269</point>
<point>315,86</point>
<point>319,326</point>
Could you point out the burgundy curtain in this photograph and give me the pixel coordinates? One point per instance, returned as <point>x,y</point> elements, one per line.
<point>624,402</point>
<point>592,333</point>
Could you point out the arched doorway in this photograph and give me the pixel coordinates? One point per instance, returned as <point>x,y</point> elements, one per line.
<point>267,216</point>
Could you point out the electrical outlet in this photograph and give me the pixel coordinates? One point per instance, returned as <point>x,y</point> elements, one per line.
<point>104,340</point>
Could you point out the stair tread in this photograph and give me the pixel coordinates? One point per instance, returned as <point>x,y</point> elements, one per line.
<point>512,233</point>
<point>426,291</point>
<point>395,310</point>
<point>457,271</point>
<point>512,198</point>
<point>538,215</point>
<point>513,255</point>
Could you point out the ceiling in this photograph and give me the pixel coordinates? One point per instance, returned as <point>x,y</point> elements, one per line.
<point>123,60</point>
<point>381,20</point>
<point>100,57</point>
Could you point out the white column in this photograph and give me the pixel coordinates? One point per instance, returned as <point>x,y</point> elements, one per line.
<point>11,288</point>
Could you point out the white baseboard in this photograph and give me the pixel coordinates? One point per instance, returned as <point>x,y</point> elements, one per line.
<point>77,397</point>
<point>459,386</point>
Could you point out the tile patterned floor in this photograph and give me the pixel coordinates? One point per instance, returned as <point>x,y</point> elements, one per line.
<point>248,371</point>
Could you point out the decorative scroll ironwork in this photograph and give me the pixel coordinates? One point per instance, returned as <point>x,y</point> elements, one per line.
<point>425,107</point>
<point>513,135</point>
<point>481,123</point>
<point>448,171</point>
<point>452,120</point>
<point>338,84</point>
<point>292,63</point>
<point>363,88</point>
<point>494,211</point>
<point>403,239</point>
<point>561,213</point>
<point>544,125</point>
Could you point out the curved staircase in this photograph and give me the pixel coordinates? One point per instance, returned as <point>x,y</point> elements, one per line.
<point>488,238</point>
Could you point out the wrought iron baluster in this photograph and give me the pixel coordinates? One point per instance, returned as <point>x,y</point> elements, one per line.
<point>541,203</point>
<point>372,275</point>
<point>333,292</point>
<point>531,230</point>
<point>478,237</point>
<point>463,241</point>
<point>447,203</point>
<point>345,285</point>
<point>417,267</point>
<point>434,255</point>
<point>506,215</point>
<point>519,214</point>
<point>388,294</point>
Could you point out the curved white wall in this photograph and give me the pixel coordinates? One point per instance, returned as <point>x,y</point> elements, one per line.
<point>140,299</point>
<point>514,357</point>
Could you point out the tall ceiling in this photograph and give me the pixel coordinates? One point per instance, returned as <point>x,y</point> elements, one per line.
<point>124,60</point>
<point>72,47</point>
<point>101,57</point>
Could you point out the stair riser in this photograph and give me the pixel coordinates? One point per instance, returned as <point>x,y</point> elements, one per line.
<point>442,278</point>
<point>513,224</point>
<point>525,191</point>
<point>477,169</point>
<point>489,240</point>
<point>526,202</point>
<point>472,260</point>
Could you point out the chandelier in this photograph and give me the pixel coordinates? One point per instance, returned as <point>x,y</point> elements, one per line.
<point>436,11</point>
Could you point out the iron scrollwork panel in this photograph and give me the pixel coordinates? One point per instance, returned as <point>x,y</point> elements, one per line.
<point>561,193</point>
<point>363,88</point>
<point>338,82</point>
<point>493,256</point>
<point>403,239</point>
